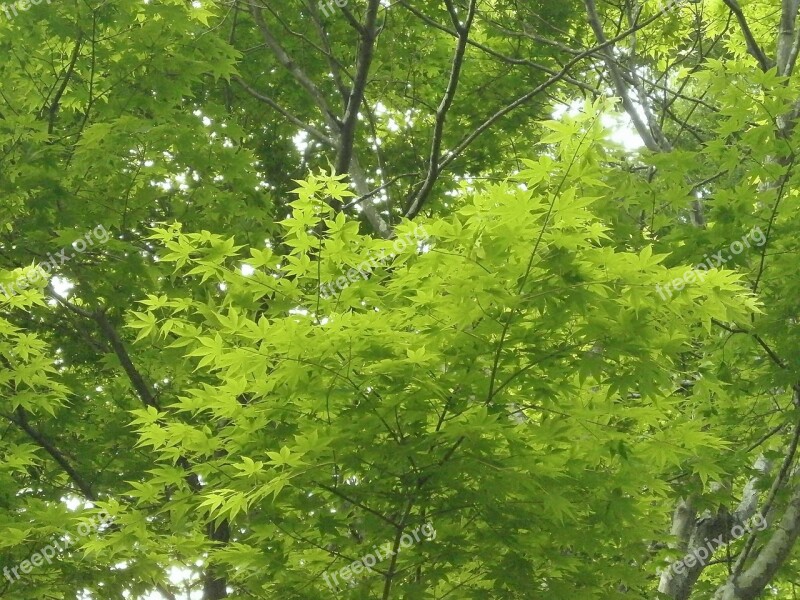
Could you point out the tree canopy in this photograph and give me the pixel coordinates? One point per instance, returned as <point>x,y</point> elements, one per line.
<point>399,299</point>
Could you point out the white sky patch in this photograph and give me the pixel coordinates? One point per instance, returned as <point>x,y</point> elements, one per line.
<point>301,141</point>
<point>619,125</point>
<point>622,131</point>
<point>179,575</point>
<point>573,109</point>
<point>73,503</point>
<point>178,180</point>
<point>62,286</point>
<point>247,270</point>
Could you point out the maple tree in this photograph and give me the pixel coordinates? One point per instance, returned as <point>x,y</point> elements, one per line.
<point>584,376</point>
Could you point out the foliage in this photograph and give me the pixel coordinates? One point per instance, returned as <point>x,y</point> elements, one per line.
<point>518,379</point>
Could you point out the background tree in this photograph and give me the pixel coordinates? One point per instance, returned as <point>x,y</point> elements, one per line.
<point>519,380</point>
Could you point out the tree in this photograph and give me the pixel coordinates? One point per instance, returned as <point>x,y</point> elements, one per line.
<point>336,305</point>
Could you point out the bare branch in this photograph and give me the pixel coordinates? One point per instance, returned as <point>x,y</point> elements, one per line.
<point>441,113</point>
<point>649,137</point>
<point>363,63</point>
<point>377,190</point>
<point>709,531</point>
<point>359,178</point>
<point>21,421</point>
<point>451,155</point>
<point>53,110</point>
<point>291,66</point>
<point>333,63</point>
<point>785,52</point>
<point>752,46</point>
<point>749,584</point>
<point>310,129</point>
<point>500,56</point>
<point>777,484</point>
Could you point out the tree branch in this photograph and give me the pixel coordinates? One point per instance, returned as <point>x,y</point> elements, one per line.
<point>22,422</point>
<point>291,66</point>
<point>309,129</point>
<point>53,110</point>
<point>752,46</point>
<point>451,155</point>
<point>711,531</point>
<point>444,106</point>
<point>751,582</point>
<point>335,65</point>
<point>649,137</point>
<point>363,63</point>
<point>500,56</point>
<point>784,52</point>
<point>778,482</point>
<point>139,384</point>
